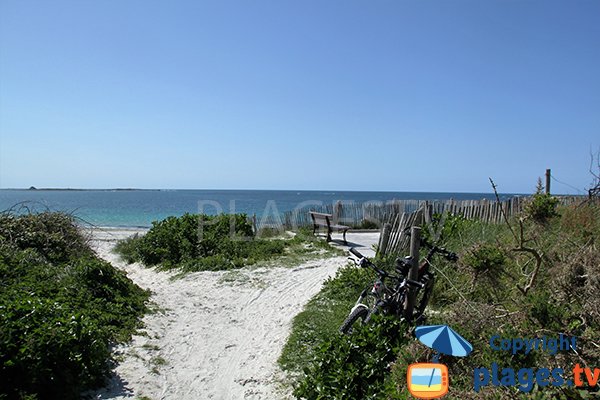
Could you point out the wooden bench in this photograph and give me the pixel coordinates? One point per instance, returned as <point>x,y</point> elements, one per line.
<point>324,220</point>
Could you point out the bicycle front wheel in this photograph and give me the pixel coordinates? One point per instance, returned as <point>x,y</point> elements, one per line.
<point>356,317</point>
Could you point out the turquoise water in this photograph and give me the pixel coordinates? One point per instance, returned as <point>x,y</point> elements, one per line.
<point>138,208</point>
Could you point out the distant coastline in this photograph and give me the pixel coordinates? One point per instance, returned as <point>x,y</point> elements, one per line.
<point>84,190</point>
<point>331,191</point>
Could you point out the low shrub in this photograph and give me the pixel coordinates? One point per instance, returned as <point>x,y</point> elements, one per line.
<point>485,259</point>
<point>128,248</point>
<point>542,206</point>
<point>52,235</point>
<point>203,242</point>
<point>368,224</point>
<point>444,226</point>
<point>60,309</point>
<point>354,366</point>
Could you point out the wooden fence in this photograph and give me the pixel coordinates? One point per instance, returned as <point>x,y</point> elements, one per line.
<point>373,214</point>
<point>355,215</point>
<point>394,237</point>
<point>378,213</point>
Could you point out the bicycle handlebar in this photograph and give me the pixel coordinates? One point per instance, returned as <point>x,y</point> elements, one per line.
<point>448,255</point>
<point>366,263</point>
<point>356,253</point>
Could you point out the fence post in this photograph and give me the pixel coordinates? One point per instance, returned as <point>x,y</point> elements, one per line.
<point>385,238</point>
<point>415,243</point>
<point>337,211</point>
<point>548,175</point>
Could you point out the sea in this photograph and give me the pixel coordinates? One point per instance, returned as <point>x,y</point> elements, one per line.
<point>139,208</point>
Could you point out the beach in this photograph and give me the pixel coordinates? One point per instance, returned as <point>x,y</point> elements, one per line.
<point>212,335</point>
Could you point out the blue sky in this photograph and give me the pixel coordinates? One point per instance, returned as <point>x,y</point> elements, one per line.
<point>345,95</point>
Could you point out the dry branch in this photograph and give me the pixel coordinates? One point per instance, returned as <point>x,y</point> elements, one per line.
<point>521,248</point>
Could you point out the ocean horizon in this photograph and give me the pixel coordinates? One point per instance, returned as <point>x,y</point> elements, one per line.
<point>138,208</point>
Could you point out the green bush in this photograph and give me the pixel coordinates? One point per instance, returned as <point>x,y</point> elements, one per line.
<point>368,224</point>
<point>200,242</point>
<point>542,206</point>
<point>485,258</point>
<point>354,366</point>
<point>128,248</point>
<point>53,236</point>
<point>60,309</point>
<point>444,227</point>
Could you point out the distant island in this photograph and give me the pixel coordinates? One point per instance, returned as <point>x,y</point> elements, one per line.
<point>86,190</point>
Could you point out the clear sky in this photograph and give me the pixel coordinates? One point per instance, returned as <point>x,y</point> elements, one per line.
<point>355,95</point>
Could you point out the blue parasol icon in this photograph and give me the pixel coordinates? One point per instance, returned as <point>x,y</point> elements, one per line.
<point>443,339</point>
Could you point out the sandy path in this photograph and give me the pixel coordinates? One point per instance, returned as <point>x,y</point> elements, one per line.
<point>217,335</point>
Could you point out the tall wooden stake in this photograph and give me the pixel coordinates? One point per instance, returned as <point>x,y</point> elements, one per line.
<point>415,243</point>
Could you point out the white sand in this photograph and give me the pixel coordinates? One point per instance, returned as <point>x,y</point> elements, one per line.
<point>217,335</point>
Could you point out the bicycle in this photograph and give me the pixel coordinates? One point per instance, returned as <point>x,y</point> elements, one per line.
<point>392,298</point>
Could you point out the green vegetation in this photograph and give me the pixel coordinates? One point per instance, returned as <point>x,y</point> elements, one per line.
<point>322,317</point>
<point>367,224</point>
<point>223,242</point>
<point>542,206</point>
<point>357,366</point>
<point>61,308</point>
<point>537,277</point>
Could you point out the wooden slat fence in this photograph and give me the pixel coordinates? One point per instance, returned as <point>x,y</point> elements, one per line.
<point>380,213</point>
<point>394,239</point>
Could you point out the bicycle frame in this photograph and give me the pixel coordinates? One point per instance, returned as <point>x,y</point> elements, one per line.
<point>392,299</point>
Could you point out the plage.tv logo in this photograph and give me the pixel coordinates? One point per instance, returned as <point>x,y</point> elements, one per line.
<point>427,380</point>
